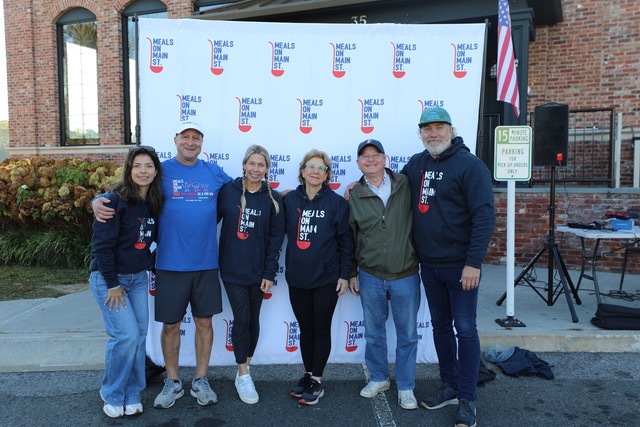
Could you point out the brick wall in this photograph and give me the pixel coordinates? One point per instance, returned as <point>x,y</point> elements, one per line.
<point>532,225</point>
<point>32,68</point>
<point>591,60</point>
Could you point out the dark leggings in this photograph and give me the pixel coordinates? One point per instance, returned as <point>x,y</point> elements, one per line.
<point>314,309</point>
<point>246,301</point>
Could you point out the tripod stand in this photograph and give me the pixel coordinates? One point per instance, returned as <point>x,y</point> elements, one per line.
<point>555,262</point>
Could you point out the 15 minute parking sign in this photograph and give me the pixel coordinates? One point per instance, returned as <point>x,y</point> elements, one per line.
<point>512,153</point>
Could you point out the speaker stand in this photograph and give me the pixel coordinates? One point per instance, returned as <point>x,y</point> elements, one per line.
<point>554,263</point>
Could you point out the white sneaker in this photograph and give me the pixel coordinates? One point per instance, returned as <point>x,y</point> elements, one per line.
<point>246,389</point>
<point>111,411</point>
<point>133,409</point>
<point>407,400</point>
<point>374,387</point>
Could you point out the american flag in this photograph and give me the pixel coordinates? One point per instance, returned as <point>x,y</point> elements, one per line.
<point>507,78</point>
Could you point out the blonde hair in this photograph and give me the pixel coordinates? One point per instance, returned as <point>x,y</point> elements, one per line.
<point>257,149</point>
<point>310,155</point>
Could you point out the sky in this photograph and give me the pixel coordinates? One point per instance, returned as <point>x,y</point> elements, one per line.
<point>4,100</point>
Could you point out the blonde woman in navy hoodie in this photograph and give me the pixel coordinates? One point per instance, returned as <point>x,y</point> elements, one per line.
<point>318,265</point>
<point>120,258</point>
<point>250,241</point>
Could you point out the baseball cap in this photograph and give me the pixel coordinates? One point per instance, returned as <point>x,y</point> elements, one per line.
<point>434,115</point>
<point>188,125</point>
<point>372,142</point>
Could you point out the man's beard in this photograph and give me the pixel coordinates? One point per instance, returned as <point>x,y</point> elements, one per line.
<point>435,148</point>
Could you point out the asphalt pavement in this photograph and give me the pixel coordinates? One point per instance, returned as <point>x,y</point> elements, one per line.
<point>589,389</point>
<point>52,350</point>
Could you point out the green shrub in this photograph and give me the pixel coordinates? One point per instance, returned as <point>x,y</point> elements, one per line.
<point>50,248</point>
<point>45,209</point>
<point>43,194</point>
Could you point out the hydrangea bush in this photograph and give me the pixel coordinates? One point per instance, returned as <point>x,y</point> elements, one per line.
<point>41,193</point>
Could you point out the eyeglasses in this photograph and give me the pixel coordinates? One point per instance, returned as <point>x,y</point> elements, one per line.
<point>314,167</point>
<point>371,156</point>
<point>147,148</point>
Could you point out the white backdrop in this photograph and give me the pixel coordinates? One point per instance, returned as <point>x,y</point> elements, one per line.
<point>291,88</point>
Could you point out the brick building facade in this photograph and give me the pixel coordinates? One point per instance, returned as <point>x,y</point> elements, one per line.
<point>591,59</point>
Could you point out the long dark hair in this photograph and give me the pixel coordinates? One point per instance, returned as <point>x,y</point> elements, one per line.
<point>128,190</point>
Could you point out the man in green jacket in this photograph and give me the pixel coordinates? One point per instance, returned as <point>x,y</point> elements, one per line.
<point>381,219</point>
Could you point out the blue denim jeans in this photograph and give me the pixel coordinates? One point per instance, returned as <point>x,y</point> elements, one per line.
<point>404,297</point>
<point>124,360</point>
<point>450,307</point>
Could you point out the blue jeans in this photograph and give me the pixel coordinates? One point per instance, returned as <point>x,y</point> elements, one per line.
<point>124,360</point>
<point>405,302</point>
<point>451,306</point>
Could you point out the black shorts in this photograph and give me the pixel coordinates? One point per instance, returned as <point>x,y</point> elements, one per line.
<point>176,289</point>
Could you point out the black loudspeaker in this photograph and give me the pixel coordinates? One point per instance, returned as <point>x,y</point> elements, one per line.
<point>550,135</point>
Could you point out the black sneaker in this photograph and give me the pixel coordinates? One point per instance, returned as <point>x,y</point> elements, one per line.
<point>312,393</point>
<point>466,415</point>
<point>303,383</point>
<point>445,395</point>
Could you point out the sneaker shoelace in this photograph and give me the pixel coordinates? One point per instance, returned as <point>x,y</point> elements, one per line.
<point>169,387</point>
<point>203,384</point>
<point>247,385</point>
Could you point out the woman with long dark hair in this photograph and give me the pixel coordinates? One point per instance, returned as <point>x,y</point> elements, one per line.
<point>120,259</point>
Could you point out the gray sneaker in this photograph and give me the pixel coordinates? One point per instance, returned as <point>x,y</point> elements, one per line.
<point>171,391</point>
<point>201,390</point>
<point>445,395</point>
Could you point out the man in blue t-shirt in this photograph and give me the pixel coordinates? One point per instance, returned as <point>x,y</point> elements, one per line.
<point>187,259</point>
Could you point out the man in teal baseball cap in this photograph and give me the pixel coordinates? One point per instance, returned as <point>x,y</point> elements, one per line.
<point>453,220</point>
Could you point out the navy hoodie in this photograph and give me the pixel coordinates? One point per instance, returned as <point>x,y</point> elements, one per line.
<point>452,203</point>
<point>250,240</point>
<point>320,247</point>
<point>121,245</point>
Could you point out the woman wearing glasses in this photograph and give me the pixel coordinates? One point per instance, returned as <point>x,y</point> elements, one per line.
<point>120,258</point>
<point>253,225</point>
<point>318,265</point>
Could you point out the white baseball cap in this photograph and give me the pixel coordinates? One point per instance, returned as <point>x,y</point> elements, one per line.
<point>188,125</point>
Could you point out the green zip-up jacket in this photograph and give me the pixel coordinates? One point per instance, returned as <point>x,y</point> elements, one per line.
<point>384,243</point>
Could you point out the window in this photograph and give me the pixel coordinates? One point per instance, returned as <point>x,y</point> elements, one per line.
<point>150,9</point>
<point>78,78</point>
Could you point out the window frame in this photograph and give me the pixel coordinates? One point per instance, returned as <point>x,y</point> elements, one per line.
<point>77,15</point>
<point>200,6</point>
<point>134,11</point>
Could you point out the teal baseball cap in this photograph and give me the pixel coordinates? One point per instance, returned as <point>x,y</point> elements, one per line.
<point>434,115</point>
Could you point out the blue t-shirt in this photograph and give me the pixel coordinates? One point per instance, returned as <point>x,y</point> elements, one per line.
<point>187,229</point>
